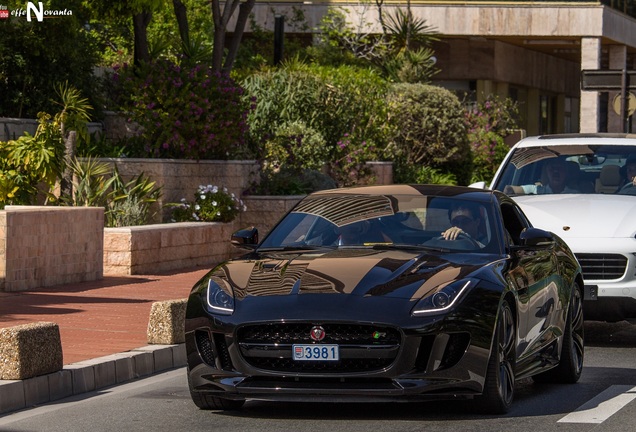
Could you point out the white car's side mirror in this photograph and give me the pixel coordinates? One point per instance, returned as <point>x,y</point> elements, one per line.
<point>478,185</point>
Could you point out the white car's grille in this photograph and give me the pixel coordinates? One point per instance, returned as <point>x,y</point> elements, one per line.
<point>602,266</point>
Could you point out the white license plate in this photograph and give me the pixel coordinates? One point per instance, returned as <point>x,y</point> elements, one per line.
<point>315,352</point>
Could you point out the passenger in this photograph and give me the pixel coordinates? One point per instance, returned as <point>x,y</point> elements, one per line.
<point>629,173</point>
<point>556,174</point>
<point>466,220</point>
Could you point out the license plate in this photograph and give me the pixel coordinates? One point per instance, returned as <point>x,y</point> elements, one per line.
<point>315,352</point>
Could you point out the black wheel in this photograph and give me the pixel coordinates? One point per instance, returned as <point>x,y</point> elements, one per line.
<point>499,386</point>
<point>208,402</point>
<point>571,363</point>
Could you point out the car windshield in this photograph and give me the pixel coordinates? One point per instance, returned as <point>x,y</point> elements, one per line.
<point>385,221</point>
<point>576,169</point>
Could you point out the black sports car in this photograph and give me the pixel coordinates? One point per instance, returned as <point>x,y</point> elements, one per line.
<point>388,293</point>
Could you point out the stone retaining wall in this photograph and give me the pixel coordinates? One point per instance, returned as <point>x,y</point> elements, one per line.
<point>44,246</point>
<point>180,178</point>
<point>151,249</point>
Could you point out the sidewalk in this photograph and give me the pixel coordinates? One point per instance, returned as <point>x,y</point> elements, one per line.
<point>96,319</point>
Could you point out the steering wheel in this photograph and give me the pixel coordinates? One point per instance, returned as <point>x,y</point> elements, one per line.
<point>463,238</point>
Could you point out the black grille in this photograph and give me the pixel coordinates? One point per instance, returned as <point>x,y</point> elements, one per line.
<point>344,365</point>
<point>335,334</point>
<point>208,350</point>
<point>363,348</point>
<point>205,347</point>
<point>602,266</point>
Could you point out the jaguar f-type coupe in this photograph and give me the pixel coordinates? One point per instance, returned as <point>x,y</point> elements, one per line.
<point>388,293</point>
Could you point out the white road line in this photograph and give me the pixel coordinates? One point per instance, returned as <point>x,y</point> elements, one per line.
<point>603,406</point>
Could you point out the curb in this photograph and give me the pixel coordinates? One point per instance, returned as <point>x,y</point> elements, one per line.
<point>90,375</point>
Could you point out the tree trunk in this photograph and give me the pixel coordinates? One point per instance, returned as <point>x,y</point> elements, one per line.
<point>66,183</point>
<point>140,25</point>
<point>244,12</point>
<point>182,21</point>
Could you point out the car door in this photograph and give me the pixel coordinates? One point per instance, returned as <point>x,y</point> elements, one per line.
<point>532,277</point>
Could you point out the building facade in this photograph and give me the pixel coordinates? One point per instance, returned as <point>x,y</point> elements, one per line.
<point>531,51</point>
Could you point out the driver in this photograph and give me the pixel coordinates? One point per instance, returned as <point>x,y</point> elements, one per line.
<point>465,220</point>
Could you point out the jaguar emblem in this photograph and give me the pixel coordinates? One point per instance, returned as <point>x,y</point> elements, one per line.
<point>317,333</point>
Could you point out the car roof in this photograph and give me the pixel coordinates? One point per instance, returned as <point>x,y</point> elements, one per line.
<point>413,189</point>
<point>578,139</point>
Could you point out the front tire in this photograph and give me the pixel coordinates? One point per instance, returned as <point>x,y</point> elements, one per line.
<point>571,362</point>
<point>499,385</point>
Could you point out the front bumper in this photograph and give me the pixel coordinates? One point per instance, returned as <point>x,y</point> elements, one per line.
<point>445,365</point>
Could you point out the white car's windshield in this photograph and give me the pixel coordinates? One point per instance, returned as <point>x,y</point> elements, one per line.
<point>574,169</point>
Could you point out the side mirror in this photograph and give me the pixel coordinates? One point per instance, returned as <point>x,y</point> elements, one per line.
<point>536,237</point>
<point>246,238</point>
<point>478,185</point>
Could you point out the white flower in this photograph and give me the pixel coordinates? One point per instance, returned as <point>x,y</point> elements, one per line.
<point>218,213</point>
<point>183,200</point>
<point>202,197</point>
<point>214,203</point>
<point>197,207</point>
<point>194,215</point>
<point>215,189</point>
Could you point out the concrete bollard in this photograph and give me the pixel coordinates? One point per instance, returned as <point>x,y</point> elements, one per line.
<point>166,322</point>
<point>30,350</point>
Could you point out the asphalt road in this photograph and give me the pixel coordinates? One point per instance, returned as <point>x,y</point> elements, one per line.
<point>603,400</point>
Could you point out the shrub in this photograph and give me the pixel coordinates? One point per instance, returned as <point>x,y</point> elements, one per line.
<point>488,124</point>
<point>29,161</point>
<point>428,129</point>
<point>290,181</point>
<point>349,166</point>
<point>95,184</point>
<point>185,112</point>
<point>211,204</point>
<point>297,146</point>
<point>332,103</point>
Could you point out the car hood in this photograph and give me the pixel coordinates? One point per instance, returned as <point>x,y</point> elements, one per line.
<point>358,272</point>
<point>581,216</point>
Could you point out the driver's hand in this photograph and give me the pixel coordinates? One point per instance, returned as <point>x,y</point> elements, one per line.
<point>452,233</point>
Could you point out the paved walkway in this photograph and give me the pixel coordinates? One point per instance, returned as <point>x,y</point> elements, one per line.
<point>97,318</point>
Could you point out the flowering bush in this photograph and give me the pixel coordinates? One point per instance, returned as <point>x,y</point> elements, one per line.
<point>211,204</point>
<point>349,166</point>
<point>184,112</point>
<point>488,124</point>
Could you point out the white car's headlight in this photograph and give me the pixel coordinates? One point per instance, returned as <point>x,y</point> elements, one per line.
<point>444,299</point>
<point>220,299</point>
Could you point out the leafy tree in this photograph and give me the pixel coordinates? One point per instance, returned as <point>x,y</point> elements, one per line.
<point>37,56</point>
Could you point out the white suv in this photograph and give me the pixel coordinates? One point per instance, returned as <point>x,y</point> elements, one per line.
<point>582,188</point>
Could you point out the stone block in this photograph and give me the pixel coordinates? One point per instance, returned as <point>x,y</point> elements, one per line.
<point>83,377</point>
<point>60,385</point>
<point>30,350</point>
<point>36,390</point>
<point>11,395</point>
<point>179,355</point>
<point>166,322</point>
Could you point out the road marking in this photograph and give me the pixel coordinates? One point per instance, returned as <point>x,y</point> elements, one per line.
<point>603,406</point>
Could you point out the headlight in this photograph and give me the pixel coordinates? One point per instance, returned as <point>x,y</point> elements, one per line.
<point>220,299</point>
<point>442,300</point>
